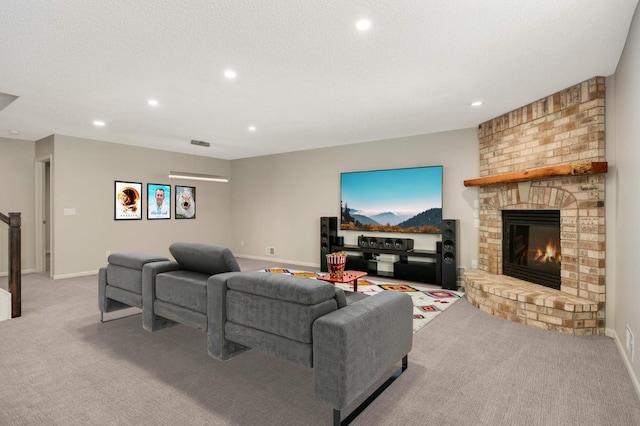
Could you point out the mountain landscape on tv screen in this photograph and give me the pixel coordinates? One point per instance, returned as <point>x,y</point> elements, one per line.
<point>426,222</point>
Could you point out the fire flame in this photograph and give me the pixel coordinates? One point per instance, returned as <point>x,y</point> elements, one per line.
<point>549,254</point>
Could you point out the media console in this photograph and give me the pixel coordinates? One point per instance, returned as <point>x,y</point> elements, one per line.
<point>426,270</point>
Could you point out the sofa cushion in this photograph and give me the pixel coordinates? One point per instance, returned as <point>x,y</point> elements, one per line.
<point>204,258</point>
<point>133,260</point>
<point>341,298</point>
<point>183,288</point>
<point>301,353</point>
<point>125,278</point>
<point>124,296</point>
<point>282,287</point>
<point>279,317</point>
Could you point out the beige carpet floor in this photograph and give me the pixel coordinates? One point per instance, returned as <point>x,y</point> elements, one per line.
<point>60,366</point>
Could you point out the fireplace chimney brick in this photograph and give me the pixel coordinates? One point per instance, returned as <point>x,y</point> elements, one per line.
<point>565,127</point>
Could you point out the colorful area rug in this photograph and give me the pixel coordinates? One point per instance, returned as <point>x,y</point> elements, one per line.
<point>427,302</point>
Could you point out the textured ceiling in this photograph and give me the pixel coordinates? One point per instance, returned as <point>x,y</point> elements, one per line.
<point>306,78</point>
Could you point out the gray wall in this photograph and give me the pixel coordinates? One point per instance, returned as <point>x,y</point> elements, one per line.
<point>84,172</point>
<point>17,177</point>
<point>271,201</point>
<point>278,200</point>
<point>627,173</point>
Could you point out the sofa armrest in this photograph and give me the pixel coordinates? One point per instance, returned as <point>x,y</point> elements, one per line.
<point>355,346</point>
<point>217,345</point>
<point>104,303</point>
<point>149,271</point>
<point>102,289</point>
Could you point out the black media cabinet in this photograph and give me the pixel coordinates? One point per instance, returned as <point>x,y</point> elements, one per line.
<point>363,259</point>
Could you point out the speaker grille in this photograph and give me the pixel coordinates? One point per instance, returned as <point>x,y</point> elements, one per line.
<point>449,254</point>
<point>328,234</point>
<point>448,245</point>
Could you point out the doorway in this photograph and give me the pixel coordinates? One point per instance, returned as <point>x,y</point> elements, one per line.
<point>43,226</point>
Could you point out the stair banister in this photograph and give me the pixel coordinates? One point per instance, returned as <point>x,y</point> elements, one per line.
<point>15,264</point>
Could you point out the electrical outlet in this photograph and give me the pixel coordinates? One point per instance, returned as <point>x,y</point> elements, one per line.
<point>630,343</point>
<point>474,264</point>
<point>108,253</point>
<point>242,243</point>
<point>271,251</point>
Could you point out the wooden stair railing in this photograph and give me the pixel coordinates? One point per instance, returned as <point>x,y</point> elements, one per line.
<point>15,264</point>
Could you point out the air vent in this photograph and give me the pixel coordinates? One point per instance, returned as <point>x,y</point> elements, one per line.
<point>200,143</point>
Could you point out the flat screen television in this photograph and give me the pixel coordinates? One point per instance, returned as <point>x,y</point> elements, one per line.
<point>396,200</point>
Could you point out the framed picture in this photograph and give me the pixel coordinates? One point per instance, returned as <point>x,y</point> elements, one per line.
<point>127,200</point>
<point>185,202</point>
<point>158,201</point>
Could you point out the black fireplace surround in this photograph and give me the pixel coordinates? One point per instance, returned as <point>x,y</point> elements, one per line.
<point>531,246</point>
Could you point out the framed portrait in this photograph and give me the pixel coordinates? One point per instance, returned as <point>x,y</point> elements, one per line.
<point>158,201</point>
<point>185,202</point>
<point>127,200</point>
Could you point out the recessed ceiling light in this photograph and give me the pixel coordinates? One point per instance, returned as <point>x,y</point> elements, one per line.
<point>230,74</point>
<point>363,24</point>
<point>153,102</point>
<point>476,103</point>
<point>14,132</point>
<point>99,123</point>
<point>252,128</point>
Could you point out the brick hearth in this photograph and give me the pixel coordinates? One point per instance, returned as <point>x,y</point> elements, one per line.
<point>563,128</point>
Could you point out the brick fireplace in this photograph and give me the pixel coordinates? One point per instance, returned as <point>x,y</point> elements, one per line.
<point>565,128</point>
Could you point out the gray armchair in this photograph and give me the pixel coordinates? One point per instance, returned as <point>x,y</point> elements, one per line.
<point>120,282</point>
<point>176,291</point>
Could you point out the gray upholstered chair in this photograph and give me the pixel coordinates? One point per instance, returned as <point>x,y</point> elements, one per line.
<point>120,282</point>
<point>176,291</point>
<point>350,346</point>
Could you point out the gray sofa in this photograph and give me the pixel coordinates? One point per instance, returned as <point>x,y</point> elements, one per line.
<point>351,343</point>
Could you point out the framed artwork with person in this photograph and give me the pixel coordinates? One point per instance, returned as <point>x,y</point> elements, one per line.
<point>127,200</point>
<point>158,201</point>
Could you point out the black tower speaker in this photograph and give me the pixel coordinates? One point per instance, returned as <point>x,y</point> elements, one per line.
<point>328,234</point>
<point>450,254</point>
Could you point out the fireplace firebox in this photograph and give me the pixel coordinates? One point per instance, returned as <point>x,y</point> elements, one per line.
<point>531,246</point>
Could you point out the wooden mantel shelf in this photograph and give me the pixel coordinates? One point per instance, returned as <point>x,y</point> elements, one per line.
<point>574,169</point>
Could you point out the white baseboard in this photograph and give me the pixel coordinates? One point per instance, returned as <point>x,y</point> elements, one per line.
<point>75,274</point>
<point>277,260</point>
<point>23,272</point>
<point>627,363</point>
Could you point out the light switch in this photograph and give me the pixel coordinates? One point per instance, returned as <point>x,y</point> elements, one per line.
<point>69,212</point>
